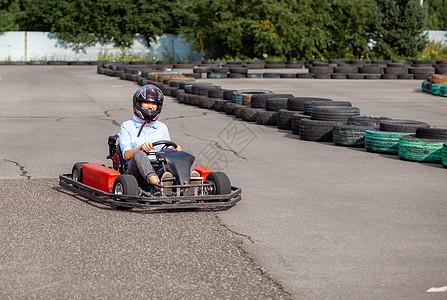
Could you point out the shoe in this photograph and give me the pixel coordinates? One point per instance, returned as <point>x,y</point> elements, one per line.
<point>195,178</point>
<point>166,180</point>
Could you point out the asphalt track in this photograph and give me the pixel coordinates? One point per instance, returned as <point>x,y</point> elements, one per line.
<point>316,221</point>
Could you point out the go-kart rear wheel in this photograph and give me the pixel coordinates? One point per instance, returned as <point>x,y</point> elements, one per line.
<point>221,183</point>
<point>125,185</point>
<point>76,172</point>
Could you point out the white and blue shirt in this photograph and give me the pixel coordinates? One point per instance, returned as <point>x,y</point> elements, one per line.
<point>152,132</point>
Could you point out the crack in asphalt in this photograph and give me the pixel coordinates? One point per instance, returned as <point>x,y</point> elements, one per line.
<point>22,168</point>
<point>184,117</point>
<point>232,231</point>
<point>248,255</point>
<point>216,144</point>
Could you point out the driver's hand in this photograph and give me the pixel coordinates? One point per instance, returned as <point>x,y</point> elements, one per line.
<point>178,148</point>
<point>147,147</point>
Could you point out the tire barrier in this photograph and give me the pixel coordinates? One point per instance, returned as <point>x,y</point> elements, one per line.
<point>266,118</point>
<point>334,113</point>
<point>297,103</point>
<point>431,133</point>
<point>296,122</point>
<point>399,125</point>
<point>372,121</point>
<point>350,135</point>
<point>285,119</point>
<point>316,130</point>
<point>259,101</point>
<point>309,105</point>
<point>329,121</point>
<point>237,95</point>
<point>383,141</point>
<point>422,150</point>
<point>248,114</point>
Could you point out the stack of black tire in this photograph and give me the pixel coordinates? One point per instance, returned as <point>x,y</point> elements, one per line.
<point>359,69</point>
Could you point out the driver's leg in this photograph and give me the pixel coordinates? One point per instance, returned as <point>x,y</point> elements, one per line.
<point>140,167</point>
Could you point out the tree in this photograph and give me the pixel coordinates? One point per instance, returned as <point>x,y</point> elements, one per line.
<point>306,29</point>
<point>81,23</point>
<point>437,14</point>
<point>9,13</point>
<point>398,29</point>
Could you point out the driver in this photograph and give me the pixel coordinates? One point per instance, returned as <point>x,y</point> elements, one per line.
<point>137,135</point>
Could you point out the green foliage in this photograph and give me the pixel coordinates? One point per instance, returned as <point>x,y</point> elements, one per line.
<point>398,29</point>
<point>9,13</point>
<point>437,14</point>
<point>433,52</point>
<point>290,29</point>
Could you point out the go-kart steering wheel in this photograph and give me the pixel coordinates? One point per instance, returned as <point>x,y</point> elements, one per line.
<point>165,144</point>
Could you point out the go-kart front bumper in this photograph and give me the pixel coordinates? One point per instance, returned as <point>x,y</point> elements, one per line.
<point>153,202</point>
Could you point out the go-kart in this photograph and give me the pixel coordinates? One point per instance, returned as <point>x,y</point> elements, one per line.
<point>112,187</point>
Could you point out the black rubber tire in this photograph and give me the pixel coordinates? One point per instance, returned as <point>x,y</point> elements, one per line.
<point>372,76</point>
<point>275,104</point>
<point>431,133</point>
<point>206,102</point>
<point>271,75</point>
<point>405,76</point>
<point>216,93</point>
<point>355,76</point>
<point>204,90</point>
<point>296,122</point>
<point>350,135</point>
<point>288,75</point>
<point>221,183</point>
<point>321,70</point>
<point>322,76</point>
<point>389,76</point>
<point>229,107</point>
<point>236,70</point>
<point>346,69</point>
<point>367,120</point>
<point>228,94</point>
<point>334,113</point>
<point>399,125</point>
<point>304,75</point>
<point>219,104</point>
<point>396,70</point>
<point>264,117</point>
<point>76,172</point>
<point>238,110</point>
<point>125,185</point>
<point>259,101</point>
<point>421,70</point>
<point>372,69</point>
<point>194,99</point>
<point>315,130</point>
<point>248,114</point>
<point>309,105</point>
<point>284,120</point>
<point>275,65</point>
<point>297,103</point>
<point>338,76</point>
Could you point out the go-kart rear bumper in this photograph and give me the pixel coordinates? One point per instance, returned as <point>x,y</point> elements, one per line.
<point>151,203</point>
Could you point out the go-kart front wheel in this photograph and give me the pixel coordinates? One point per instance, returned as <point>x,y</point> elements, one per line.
<point>76,172</point>
<point>221,183</point>
<point>125,185</point>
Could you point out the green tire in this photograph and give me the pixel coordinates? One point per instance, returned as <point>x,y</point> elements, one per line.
<point>383,141</point>
<point>444,155</point>
<point>423,150</point>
